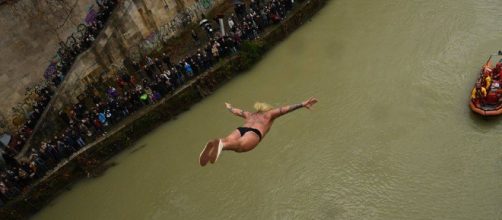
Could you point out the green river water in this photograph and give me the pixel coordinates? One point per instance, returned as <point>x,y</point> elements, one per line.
<point>392,136</point>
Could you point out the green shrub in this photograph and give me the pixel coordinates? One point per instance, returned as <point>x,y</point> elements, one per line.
<point>250,52</point>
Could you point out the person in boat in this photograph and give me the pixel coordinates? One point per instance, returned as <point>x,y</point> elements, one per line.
<point>497,71</point>
<point>488,82</point>
<point>487,71</point>
<point>478,93</point>
<point>256,126</point>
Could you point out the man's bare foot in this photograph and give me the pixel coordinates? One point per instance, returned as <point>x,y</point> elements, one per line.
<point>209,153</point>
<point>216,152</point>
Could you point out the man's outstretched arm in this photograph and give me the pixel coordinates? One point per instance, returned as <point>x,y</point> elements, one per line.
<point>236,111</point>
<point>277,112</point>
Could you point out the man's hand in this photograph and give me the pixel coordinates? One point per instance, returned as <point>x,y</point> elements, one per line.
<point>309,102</point>
<point>236,111</point>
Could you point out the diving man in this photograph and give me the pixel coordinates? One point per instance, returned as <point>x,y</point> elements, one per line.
<point>255,127</point>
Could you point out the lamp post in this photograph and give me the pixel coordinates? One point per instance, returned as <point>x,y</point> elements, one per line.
<point>222,25</point>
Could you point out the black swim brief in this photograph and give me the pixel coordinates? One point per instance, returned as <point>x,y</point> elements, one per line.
<point>243,131</point>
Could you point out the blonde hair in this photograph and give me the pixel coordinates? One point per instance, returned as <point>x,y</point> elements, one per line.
<point>262,107</point>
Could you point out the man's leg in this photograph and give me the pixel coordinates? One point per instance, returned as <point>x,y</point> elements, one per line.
<point>233,142</point>
<point>243,144</point>
<point>210,151</point>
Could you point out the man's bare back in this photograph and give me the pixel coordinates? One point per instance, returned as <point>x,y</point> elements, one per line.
<point>245,138</point>
<point>260,121</point>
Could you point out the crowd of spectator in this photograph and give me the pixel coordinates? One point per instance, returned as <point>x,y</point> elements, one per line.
<point>151,79</point>
<point>56,72</point>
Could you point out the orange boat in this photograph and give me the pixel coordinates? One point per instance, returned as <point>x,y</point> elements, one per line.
<point>486,96</point>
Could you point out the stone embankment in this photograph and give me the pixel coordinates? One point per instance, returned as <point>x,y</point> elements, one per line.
<point>92,158</point>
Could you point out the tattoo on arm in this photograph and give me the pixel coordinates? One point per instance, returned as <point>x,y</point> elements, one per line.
<point>290,108</point>
<point>236,111</point>
<point>294,107</point>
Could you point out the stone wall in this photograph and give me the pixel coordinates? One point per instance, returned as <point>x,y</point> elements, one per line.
<point>135,27</point>
<point>28,44</point>
<point>93,157</point>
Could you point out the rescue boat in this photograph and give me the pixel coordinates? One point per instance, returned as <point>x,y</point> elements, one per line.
<point>486,96</point>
